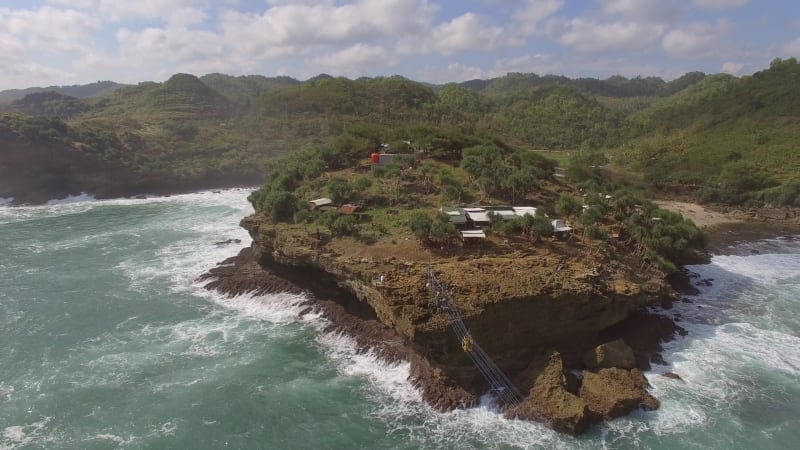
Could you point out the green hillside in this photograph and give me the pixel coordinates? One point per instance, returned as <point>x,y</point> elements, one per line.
<point>78,91</point>
<point>724,139</point>
<point>244,90</point>
<point>696,135</point>
<point>49,104</point>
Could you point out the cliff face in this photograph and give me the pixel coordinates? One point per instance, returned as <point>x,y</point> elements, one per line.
<point>34,171</point>
<point>517,301</point>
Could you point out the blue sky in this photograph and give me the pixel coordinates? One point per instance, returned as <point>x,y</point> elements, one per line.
<point>79,41</point>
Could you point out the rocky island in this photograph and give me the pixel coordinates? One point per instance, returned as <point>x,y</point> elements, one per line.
<point>562,314</point>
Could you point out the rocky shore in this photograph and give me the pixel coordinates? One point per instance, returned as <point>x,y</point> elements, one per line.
<point>569,324</point>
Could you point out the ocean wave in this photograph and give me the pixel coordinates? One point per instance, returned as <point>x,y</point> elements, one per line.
<point>235,198</point>
<point>80,198</point>
<point>20,436</point>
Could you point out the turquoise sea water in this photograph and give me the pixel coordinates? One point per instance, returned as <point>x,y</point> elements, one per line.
<point>106,341</point>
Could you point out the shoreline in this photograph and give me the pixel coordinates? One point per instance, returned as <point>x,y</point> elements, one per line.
<point>726,228</point>
<point>242,274</point>
<point>645,331</point>
<point>446,387</point>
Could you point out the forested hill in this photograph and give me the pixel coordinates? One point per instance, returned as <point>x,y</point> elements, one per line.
<point>81,91</point>
<point>694,134</point>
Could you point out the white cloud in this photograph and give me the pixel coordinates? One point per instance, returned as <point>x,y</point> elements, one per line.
<point>186,17</point>
<point>588,35</point>
<point>16,70</point>
<point>149,9</point>
<point>536,63</point>
<point>323,24</point>
<point>300,2</point>
<point>697,40</point>
<point>173,45</point>
<point>50,29</point>
<point>732,68</point>
<point>79,4</point>
<point>651,11</point>
<point>719,4</point>
<point>11,51</point>
<point>470,32</point>
<point>529,16</point>
<point>791,48</point>
<point>353,61</point>
<point>118,10</point>
<point>453,72</point>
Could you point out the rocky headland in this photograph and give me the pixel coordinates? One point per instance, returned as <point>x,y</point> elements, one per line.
<point>566,321</point>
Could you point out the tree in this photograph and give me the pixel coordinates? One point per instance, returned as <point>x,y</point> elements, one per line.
<point>442,230</point>
<point>426,173</point>
<point>519,182</point>
<point>393,175</point>
<point>541,226</point>
<point>449,186</point>
<point>420,224</point>
<point>568,205</point>
<point>339,189</point>
<point>281,205</point>
<point>360,185</point>
<point>344,225</point>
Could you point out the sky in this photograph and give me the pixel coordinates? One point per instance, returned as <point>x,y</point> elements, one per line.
<point>63,42</point>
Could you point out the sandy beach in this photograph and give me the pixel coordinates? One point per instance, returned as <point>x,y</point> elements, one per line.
<point>702,217</point>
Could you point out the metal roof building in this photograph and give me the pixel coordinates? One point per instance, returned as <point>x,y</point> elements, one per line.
<point>320,202</point>
<point>456,215</point>
<point>522,210</point>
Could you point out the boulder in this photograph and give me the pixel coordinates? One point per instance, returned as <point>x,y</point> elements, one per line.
<point>548,400</point>
<point>611,354</point>
<point>614,392</point>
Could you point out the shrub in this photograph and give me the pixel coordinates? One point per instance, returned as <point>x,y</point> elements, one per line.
<point>510,227</point>
<point>339,189</point>
<point>568,205</point>
<point>279,204</point>
<point>303,216</point>
<point>541,226</point>
<point>590,216</point>
<point>596,233</point>
<point>442,230</point>
<point>344,225</point>
<point>420,224</point>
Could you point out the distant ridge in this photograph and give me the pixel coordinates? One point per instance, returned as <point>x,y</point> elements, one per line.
<point>96,89</point>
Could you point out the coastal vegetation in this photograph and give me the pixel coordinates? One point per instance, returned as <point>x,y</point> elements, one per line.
<point>708,138</point>
<point>406,198</point>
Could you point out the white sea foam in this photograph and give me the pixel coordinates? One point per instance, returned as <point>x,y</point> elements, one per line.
<point>183,260</point>
<point>82,197</point>
<point>168,428</point>
<point>769,268</point>
<point>235,198</point>
<point>20,436</point>
<point>734,335</point>
<point>118,440</point>
<point>6,392</point>
<point>274,308</point>
<point>399,404</point>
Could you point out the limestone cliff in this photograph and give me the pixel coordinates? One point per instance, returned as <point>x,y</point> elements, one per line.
<point>517,299</point>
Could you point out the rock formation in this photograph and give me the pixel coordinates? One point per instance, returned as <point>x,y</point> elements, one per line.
<point>615,392</point>
<point>534,309</point>
<point>611,354</point>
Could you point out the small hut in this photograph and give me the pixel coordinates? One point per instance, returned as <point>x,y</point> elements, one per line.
<point>560,228</point>
<point>319,203</point>
<point>473,236</point>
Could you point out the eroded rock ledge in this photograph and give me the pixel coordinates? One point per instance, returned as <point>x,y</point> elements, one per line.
<point>537,310</point>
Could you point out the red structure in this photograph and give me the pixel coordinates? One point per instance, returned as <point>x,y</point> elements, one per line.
<point>376,157</point>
